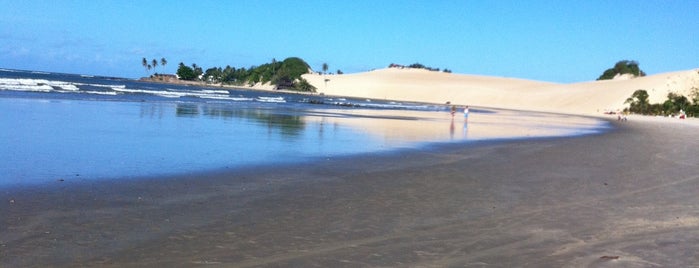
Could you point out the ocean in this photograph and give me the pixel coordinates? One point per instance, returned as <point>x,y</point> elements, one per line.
<point>57,127</point>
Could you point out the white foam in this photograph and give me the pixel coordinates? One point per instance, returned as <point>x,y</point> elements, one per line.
<point>112,93</point>
<point>271,99</point>
<point>171,93</point>
<point>102,85</point>
<point>215,91</point>
<point>41,88</point>
<point>128,90</point>
<point>222,97</point>
<point>43,85</point>
<point>35,84</point>
<point>162,93</point>
<point>57,86</point>
<point>25,84</point>
<point>68,86</point>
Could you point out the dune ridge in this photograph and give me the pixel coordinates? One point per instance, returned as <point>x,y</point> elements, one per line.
<point>585,98</point>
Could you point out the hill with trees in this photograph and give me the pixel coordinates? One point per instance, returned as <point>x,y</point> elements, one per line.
<point>283,75</point>
<point>621,68</point>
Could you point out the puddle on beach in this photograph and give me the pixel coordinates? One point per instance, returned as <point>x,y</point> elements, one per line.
<point>49,140</point>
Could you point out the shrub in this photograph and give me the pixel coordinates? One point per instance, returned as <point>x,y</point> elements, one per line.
<point>622,67</point>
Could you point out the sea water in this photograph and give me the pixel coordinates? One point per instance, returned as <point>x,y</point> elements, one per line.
<point>70,127</point>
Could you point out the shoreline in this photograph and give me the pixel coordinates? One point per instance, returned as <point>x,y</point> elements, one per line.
<point>418,85</point>
<point>257,87</point>
<point>555,202</point>
<point>599,114</point>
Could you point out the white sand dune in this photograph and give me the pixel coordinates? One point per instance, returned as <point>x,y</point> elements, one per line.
<point>588,98</point>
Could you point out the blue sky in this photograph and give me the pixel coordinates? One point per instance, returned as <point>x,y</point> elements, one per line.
<point>557,41</point>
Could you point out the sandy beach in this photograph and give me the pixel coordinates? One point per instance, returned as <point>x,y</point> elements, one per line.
<point>457,133</point>
<point>624,198</point>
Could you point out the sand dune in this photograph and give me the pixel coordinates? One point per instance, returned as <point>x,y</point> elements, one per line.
<point>589,98</point>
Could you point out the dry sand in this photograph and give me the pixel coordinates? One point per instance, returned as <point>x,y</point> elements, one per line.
<point>589,98</point>
<point>627,198</point>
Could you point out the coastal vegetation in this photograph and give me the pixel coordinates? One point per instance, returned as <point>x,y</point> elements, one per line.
<point>152,64</point>
<point>621,68</point>
<point>284,75</point>
<point>674,105</point>
<point>418,66</point>
<point>185,72</point>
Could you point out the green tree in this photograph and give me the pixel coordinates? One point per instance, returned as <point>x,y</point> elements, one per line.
<point>228,75</point>
<point>163,62</point>
<point>639,102</point>
<point>282,79</point>
<point>622,67</point>
<point>185,72</point>
<point>303,85</point>
<point>213,75</point>
<point>198,72</point>
<point>290,71</point>
<point>325,68</point>
<point>675,103</point>
<point>295,66</point>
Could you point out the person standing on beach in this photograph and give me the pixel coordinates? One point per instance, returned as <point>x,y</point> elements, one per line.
<point>465,129</point>
<point>453,110</point>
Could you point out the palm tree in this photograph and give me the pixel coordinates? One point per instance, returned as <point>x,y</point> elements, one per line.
<point>154,63</point>
<point>145,64</point>
<point>163,62</point>
<point>325,71</point>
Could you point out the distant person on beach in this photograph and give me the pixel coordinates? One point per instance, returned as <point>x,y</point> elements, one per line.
<point>622,116</point>
<point>453,110</point>
<point>465,119</point>
<point>465,114</point>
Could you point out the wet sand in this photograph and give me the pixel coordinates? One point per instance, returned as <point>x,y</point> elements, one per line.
<point>626,198</point>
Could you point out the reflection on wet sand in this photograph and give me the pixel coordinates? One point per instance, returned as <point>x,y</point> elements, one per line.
<point>493,124</point>
<point>464,128</point>
<point>288,124</point>
<point>402,127</point>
